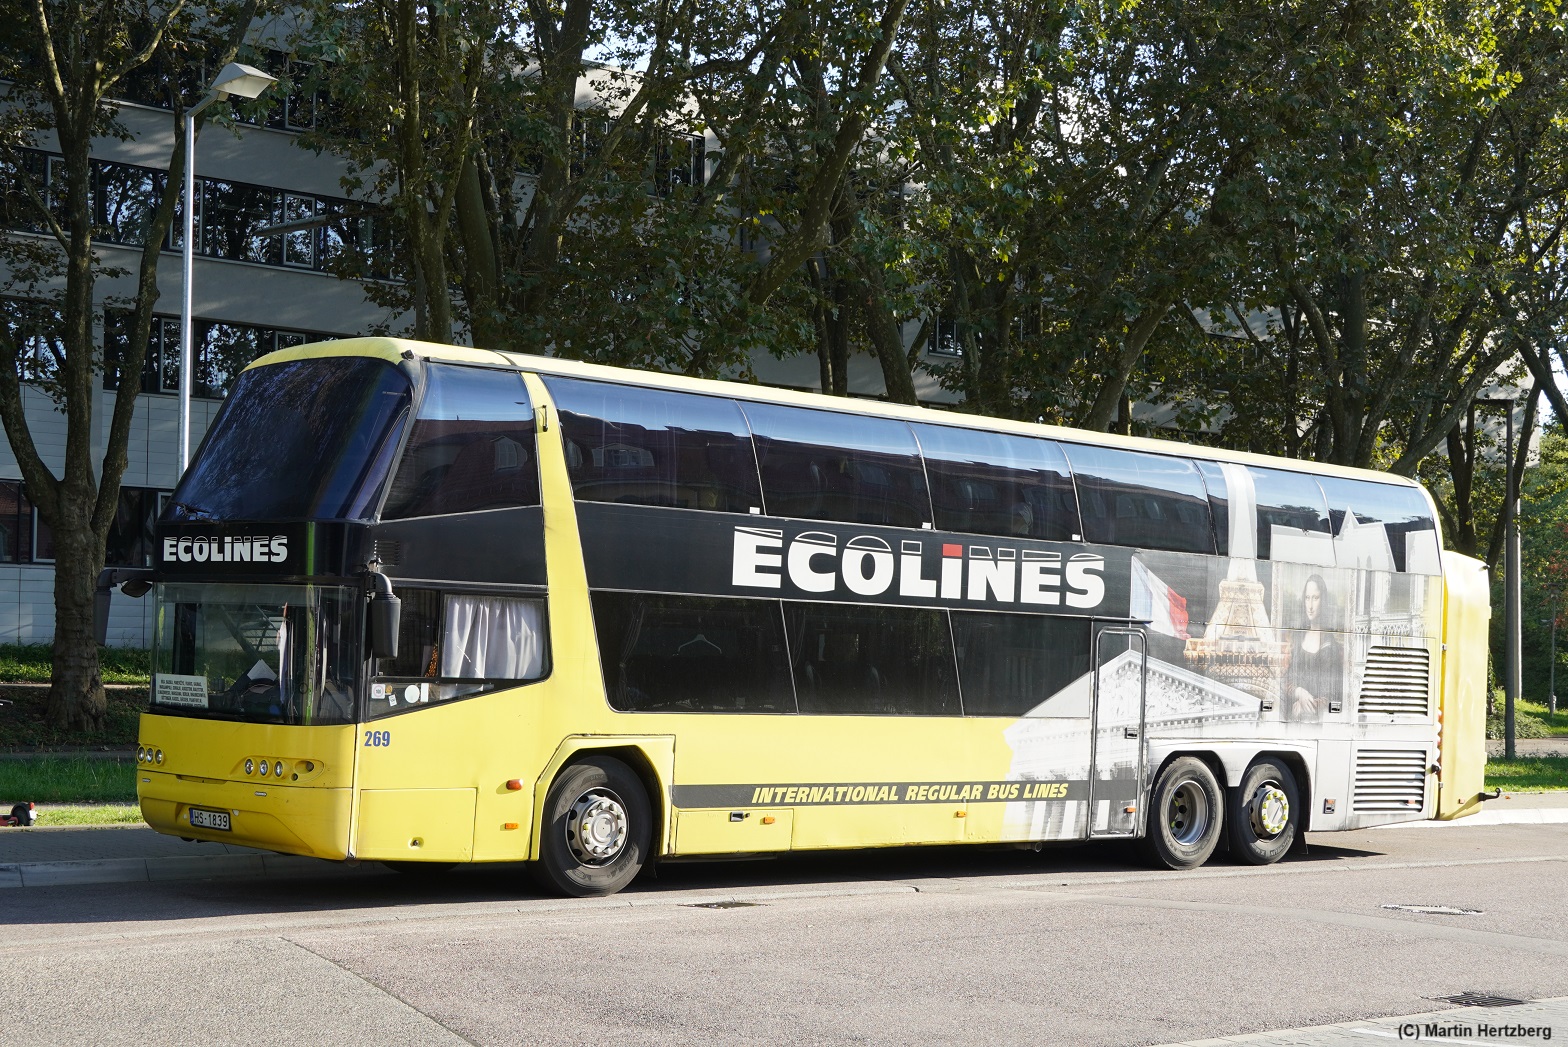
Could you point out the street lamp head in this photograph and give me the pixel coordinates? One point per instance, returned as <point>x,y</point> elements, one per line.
<point>245,81</point>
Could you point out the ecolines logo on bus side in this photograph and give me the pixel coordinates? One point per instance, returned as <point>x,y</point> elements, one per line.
<point>867,566</point>
<point>228,549</point>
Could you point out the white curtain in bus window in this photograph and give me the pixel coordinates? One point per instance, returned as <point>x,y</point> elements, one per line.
<point>823,465</point>
<point>656,447</point>
<point>996,483</point>
<point>1292,518</point>
<point>1146,501</point>
<point>472,446</point>
<point>492,638</point>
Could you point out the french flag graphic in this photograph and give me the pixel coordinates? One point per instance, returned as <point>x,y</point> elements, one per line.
<point>1157,603</point>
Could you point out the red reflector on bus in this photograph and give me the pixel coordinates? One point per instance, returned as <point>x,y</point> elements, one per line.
<point>514,785</point>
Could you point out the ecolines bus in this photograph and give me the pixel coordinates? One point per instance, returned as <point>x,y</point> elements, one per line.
<point>425,604</point>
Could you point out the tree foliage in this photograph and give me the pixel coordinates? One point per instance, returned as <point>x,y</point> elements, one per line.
<point>65,60</point>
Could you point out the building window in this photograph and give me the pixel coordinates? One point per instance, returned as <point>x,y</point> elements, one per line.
<point>16,523</point>
<point>945,339</point>
<point>35,327</point>
<point>294,105</point>
<point>237,221</point>
<point>222,351</point>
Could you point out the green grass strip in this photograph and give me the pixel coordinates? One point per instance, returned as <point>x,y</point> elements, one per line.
<point>97,814</point>
<point>30,663</point>
<point>1536,774</point>
<point>66,779</point>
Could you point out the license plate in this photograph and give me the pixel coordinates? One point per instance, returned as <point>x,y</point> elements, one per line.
<point>201,819</point>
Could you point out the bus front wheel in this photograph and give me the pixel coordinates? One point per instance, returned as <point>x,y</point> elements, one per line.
<point>1265,815</point>
<point>1186,812</point>
<point>597,828</point>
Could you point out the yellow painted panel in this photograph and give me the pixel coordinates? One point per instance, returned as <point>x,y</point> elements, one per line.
<point>1466,612</point>
<point>879,825</point>
<point>310,821</point>
<point>416,825</point>
<point>722,832</point>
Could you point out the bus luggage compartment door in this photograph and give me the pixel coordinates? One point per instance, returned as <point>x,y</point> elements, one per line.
<point>1116,762</point>
<point>412,825</point>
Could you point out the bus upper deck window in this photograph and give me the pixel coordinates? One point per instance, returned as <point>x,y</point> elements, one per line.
<point>1400,513</point>
<point>1292,518</point>
<point>824,465</point>
<point>656,447</point>
<point>1147,501</point>
<point>472,446</point>
<point>996,483</point>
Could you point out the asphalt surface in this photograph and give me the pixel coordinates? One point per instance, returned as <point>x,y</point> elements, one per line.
<point>55,856</point>
<point>1077,946</point>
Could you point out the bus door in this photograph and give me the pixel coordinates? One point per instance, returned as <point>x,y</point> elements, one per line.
<point>1116,759</point>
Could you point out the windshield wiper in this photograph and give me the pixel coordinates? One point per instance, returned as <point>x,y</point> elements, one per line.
<point>195,510</point>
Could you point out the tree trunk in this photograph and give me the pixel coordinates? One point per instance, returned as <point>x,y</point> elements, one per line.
<point>76,695</point>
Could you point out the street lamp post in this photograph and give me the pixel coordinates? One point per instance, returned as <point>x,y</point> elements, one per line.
<point>242,81</point>
<point>1512,616</point>
<point>1551,674</point>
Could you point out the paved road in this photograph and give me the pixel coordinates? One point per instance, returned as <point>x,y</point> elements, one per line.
<point>1075,946</point>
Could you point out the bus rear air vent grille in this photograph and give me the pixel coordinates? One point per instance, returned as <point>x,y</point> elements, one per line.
<point>1398,680</point>
<point>389,551</point>
<point>1390,779</point>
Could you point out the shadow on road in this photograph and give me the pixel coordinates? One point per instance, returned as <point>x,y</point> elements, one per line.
<point>372,889</point>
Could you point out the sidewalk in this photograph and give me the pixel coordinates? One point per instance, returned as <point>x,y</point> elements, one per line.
<point>54,857</point>
<point>1528,747</point>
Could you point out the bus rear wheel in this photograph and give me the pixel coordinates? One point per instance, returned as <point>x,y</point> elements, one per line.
<point>597,827</point>
<point>1186,813</point>
<point>1265,815</point>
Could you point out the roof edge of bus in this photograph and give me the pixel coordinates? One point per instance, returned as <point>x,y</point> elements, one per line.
<point>395,349</point>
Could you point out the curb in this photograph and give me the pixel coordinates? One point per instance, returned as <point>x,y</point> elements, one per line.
<point>1538,816</point>
<point>145,870</point>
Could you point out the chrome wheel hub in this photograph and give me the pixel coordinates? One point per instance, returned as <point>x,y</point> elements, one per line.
<point>596,827</point>
<point>1269,811</point>
<point>1188,816</point>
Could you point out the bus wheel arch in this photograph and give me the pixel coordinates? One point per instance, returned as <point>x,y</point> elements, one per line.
<point>1267,810</point>
<point>1186,812</point>
<point>597,830</point>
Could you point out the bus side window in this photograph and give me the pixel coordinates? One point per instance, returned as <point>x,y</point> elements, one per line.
<point>1146,501</point>
<point>692,654</point>
<point>451,645</point>
<point>655,447</point>
<point>1219,504</point>
<point>996,483</point>
<point>824,465</point>
<point>416,635</point>
<point>872,660</point>
<point>1404,516</point>
<point>1292,518</point>
<point>1012,664</point>
<point>472,446</point>
<point>492,638</point>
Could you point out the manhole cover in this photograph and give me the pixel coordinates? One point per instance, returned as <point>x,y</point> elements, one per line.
<point>1435,910</point>
<point>724,905</point>
<point>1480,999</point>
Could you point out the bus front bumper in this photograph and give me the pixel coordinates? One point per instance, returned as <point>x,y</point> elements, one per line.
<point>304,820</point>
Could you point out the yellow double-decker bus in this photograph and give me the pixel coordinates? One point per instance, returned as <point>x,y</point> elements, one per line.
<point>425,604</point>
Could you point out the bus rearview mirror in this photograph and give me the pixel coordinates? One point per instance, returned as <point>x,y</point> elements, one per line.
<point>386,614</point>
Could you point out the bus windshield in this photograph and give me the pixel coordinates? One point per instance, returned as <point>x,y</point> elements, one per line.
<point>282,654</point>
<point>298,440</point>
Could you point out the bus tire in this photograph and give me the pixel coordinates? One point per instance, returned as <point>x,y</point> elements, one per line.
<point>1186,815</point>
<point>1265,814</point>
<point>597,828</point>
